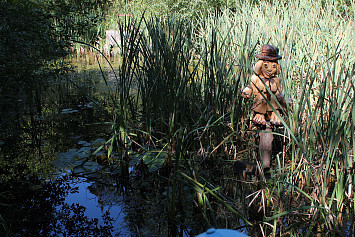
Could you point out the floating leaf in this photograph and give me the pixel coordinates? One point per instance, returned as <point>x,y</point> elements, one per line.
<point>88,167</point>
<point>84,143</point>
<point>84,152</point>
<point>154,160</point>
<point>98,142</point>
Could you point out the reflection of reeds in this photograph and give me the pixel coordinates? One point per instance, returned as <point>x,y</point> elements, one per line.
<point>187,80</point>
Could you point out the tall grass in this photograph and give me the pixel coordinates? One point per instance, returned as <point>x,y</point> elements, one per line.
<point>318,66</point>
<point>182,82</point>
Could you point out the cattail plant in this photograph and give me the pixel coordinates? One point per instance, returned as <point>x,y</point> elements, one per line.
<point>179,85</point>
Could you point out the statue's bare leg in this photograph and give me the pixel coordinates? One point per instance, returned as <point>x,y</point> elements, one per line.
<point>274,119</point>
<point>259,119</point>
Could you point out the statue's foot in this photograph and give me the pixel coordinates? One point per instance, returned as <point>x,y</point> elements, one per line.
<point>274,120</point>
<point>259,119</point>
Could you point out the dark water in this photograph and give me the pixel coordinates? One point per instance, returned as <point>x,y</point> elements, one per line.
<point>50,186</point>
<point>98,202</point>
<point>55,181</point>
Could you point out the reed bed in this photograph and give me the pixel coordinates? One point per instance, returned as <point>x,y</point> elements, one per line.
<point>180,88</point>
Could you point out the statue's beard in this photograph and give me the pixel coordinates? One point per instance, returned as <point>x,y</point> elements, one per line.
<point>267,73</point>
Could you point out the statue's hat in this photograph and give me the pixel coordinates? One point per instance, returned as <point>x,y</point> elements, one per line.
<point>269,53</point>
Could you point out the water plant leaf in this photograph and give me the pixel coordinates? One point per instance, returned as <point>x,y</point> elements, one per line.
<point>65,160</point>
<point>154,161</point>
<point>98,142</point>
<point>84,143</point>
<point>87,167</point>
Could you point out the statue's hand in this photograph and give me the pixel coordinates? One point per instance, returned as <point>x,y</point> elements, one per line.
<point>246,95</point>
<point>247,92</point>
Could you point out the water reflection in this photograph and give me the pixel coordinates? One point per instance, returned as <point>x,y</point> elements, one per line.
<point>61,207</point>
<point>80,196</point>
<point>32,201</point>
<point>99,203</point>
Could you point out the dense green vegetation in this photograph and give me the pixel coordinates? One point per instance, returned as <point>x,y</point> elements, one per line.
<point>181,68</point>
<point>186,100</point>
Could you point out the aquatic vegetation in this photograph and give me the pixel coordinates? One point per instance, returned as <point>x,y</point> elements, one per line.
<point>180,141</point>
<point>187,79</point>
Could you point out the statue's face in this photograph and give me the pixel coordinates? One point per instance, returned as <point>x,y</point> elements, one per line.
<point>269,68</point>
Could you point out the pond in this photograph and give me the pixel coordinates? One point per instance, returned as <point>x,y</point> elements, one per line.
<point>68,187</point>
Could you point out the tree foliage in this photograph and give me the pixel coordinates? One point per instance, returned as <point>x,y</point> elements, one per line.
<point>36,33</point>
<point>28,41</point>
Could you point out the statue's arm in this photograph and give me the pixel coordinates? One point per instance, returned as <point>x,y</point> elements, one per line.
<point>279,95</point>
<point>251,89</point>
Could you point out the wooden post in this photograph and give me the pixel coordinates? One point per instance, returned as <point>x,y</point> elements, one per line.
<point>265,146</point>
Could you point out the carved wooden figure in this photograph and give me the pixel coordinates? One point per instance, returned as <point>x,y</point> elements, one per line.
<point>267,70</point>
<point>266,75</point>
